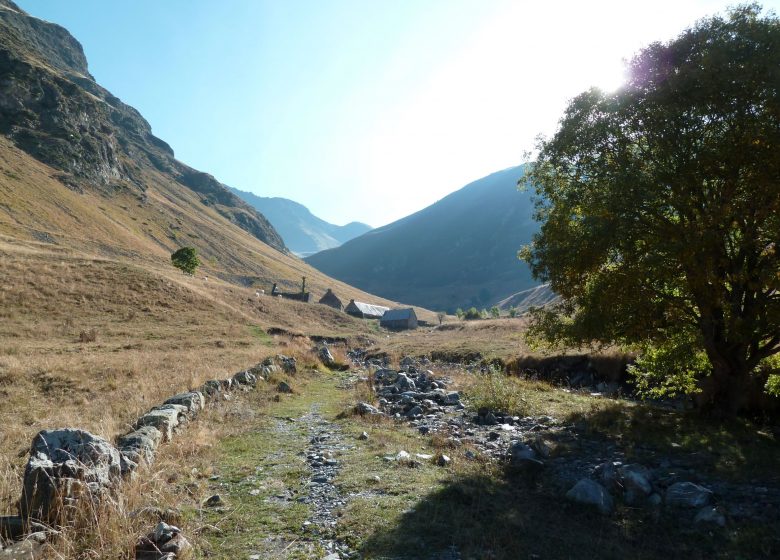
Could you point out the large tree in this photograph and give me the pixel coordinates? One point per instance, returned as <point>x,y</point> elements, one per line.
<point>660,204</point>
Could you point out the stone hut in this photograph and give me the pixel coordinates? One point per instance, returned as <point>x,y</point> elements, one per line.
<point>365,310</point>
<point>331,300</point>
<point>399,319</point>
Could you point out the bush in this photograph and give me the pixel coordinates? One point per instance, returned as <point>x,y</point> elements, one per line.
<point>459,313</point>
<point>186,259</point>
<point>513,312</point>
<point>472,314</point>
<point>495,312</point>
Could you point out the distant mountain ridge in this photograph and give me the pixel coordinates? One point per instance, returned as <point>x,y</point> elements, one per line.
<point>302,232</point>
<point>459,252</point>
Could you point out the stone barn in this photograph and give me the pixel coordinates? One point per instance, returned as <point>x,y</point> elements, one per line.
<point>331,300</point>
<point>399,319</point>
<point>365,310</point>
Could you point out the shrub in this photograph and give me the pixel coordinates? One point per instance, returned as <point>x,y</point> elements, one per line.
<point>495,312</point>
<point>186,259</point>
<point>513,312</point>
<point>472,314</point>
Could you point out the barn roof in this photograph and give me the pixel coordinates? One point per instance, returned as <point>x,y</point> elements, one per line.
<point>399,314</point>
<point>368,308</point>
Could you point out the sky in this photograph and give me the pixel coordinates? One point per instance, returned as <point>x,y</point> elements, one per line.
<point>361,110</point>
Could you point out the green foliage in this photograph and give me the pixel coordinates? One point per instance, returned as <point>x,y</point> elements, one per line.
<point>495,312</point>
<point>497,392</point>
<point>660,209</point>
<point>670,369</point>
<point>186,259</point>
<point>513,312</point>
<point>472,314</point>
<point>459,313</point>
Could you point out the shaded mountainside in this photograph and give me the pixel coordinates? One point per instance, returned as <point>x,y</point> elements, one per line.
<point>302,232</point>
<point>51,108</point>
<point>459,252</point>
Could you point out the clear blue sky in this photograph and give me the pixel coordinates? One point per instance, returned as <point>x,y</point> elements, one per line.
<point>361,110</point>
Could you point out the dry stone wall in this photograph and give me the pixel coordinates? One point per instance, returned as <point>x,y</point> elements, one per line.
<point>67,466</point>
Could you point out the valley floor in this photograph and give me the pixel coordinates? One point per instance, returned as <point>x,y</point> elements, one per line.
<point>299,474</point>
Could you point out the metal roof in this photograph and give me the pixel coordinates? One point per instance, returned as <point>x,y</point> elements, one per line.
<point>369,309</point>
<point>399,314</point>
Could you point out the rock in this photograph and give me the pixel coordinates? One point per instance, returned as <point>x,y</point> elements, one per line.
<point>452,398</point>
<point>709,515</point>
<point>407,361</point>
<point>284,387</point>
<point>64,466</point>
<point>245,378</point>
<point>654,500</point>
<point>214,501</point>
<point>544,449</point>
<point>165,418</point>
<point>523,456</point>
<point>404,383</point>
<point>363,436</point>
<point>636,480</point>
<point>364,408</point>
<point>165,542</point>
<point>687,494</point>
<point>289,365</point>
<point>211,387</point>
<point>443,460</point>
<point>403,456</point>
<point>414,412</point>
<point>193,400</point>
<point>590,492</point>
<point>28,549</point>
<point>608,475</point>
<point>141,444</point>
<point>13,527</point>
<point>490,419</point>
<point>326,357</point>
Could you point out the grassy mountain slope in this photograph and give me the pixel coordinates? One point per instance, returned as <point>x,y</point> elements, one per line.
<point>303,232</point>
<point>458,252</point>
<point>54,110</point>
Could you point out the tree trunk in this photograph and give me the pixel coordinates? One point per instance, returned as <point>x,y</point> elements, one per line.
<point>730,388</point>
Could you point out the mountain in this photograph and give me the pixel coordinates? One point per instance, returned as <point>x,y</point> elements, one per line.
<point>459,252</point>
<point>538,296</point>
<point>303,232</point>
<point>84,180</point>
<point>52,108</point>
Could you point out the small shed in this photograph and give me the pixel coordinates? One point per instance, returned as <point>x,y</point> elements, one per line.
<point>365,310</point>
<point>399,319</point>
<point>331,300</point>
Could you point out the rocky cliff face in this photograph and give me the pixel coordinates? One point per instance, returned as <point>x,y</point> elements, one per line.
<point>51,107</point>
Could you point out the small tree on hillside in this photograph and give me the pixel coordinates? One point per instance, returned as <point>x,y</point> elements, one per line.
<point>660,211</point>
<point>440,316</point>
<point>495,312</point>
<point>513,312</point>
<point>459,313</point>
<point>186,259</point>
<point>472,314</point>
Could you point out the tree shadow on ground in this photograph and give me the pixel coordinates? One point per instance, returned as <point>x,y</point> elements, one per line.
<point>513,518</point>
<point>496,513</point>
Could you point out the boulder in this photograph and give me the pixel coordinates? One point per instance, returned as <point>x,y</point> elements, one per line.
<point>141,444</point>
<point>522,456</point>
<point>165,418</point>
<point>452,398</point>
<point>364,408</point>
<point>192,400</point>
<point>64,466</point>
<point>404,383</point>
<point>166,541</point>
<point>636,483</point>
<point>284,387</point>
<point>211,387</point>
<point>590,492</point>
<point>687,494</point>
<point>325,356</point>
<point>245,378</point>
<point>288,363</point>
